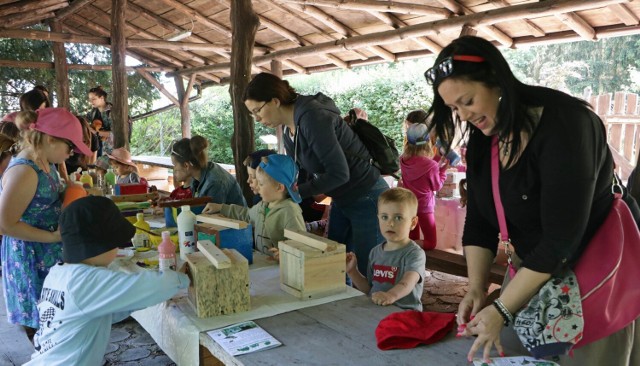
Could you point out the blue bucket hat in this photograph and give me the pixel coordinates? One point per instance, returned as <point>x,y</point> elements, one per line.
<point>284,170</point>
<point>417,134</point>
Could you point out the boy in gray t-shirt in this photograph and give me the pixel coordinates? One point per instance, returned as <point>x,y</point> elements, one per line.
<point>396,268</point>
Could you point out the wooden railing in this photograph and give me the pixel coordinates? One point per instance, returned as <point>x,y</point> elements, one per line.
<point>621,115</point>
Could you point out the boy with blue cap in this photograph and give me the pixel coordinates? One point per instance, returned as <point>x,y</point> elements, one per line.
<point>81,298</point>
<point>277,176</point>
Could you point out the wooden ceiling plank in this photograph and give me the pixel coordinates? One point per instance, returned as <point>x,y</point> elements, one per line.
<point>33,17</point>
<point>623,12</point>
<point>72,8</point>
<point>332,58</point>
<point>292,65</point>
<point>211,77</point>
<point>198,17</point>
<point>498,35</point>
<point>327,20</point>
<point>538,9</point>
<point>579,25</point>
<point>375,5</point>
<point>453,6</point>
<point>531,26</point>
<point>29,6</point>
<point>159,86</point>
<point>49,65</point>
<point>396,23</point>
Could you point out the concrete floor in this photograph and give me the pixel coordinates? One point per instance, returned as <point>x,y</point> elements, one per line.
<point>131,345</point>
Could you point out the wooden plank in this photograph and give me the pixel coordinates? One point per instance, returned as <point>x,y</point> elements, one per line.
<point>311,240</point>
<point>456,264</point>
<point>629,135</point>
<point>222,221</point>
<point>141,197</point>
<point>214,254</point>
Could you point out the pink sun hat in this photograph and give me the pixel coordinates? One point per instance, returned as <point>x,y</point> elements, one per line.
<point>58,122</point>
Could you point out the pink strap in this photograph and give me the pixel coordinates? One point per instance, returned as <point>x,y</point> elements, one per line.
<point>495,188</point>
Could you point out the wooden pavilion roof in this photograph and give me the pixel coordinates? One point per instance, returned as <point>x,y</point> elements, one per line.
<point>310,36</point>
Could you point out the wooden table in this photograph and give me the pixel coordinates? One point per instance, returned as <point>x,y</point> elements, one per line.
<point>339,333</point>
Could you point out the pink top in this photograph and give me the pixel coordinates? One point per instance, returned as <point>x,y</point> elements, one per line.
<point>423,177</point>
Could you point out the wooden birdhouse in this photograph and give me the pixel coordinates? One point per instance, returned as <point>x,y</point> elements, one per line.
<point>226,233</point>
<point>219,281</point>
<point>311,266</point>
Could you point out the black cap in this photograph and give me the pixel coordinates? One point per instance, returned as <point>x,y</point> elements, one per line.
<point>91,226</point>
<point>256,157</point>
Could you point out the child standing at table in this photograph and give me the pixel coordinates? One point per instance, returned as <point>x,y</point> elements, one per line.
<point>396,269</point>
<point>81,297</point>
<point>422,176</point>
<point>125,168</point>
<point>251,162</point>
<point>30,204</point>
<point>278,210</point>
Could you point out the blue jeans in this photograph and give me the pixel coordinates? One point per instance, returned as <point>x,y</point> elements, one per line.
<point>356,224</point>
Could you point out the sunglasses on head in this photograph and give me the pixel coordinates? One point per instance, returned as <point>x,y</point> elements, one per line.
<point>445,67</point>
<point>13,150</point>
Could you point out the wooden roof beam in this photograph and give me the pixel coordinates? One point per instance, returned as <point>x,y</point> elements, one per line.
<point>579,25</point>
<point>33,17</point>
<point>327,20</point>
<point>73,8</point>
<point>626,15</point>
<point>197,16</point>
<point>159,86</point>
<point>30,7</point>
<point>49,65</point>
<point>344,30</point>
<point>396,23</point>
<point>453,6</point>
<point>292,65</point>
<point>538,9</point>
<point>104,31</point>
<point>375,5</point>
<point>533,28</point>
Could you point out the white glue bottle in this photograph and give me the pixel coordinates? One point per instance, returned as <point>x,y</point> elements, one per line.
<point>186,231</point>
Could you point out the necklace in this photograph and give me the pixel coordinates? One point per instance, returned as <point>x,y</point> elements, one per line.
<point>45,167</point>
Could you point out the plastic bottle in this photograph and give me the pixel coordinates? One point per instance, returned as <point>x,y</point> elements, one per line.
<point>141,224</point>
<point>110,178</point>
<point>86,179</point>
<point>186,227</point>
<point>166,253</point>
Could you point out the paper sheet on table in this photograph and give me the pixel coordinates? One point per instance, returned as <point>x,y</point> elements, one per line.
<point>514,361</point>
<point>176,328</point>
<point>242,338</point>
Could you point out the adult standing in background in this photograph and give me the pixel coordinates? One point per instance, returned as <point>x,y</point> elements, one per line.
<point>555,174</point>
<point>99,118</point>
<point>190,161</point>
<point>318,139</point>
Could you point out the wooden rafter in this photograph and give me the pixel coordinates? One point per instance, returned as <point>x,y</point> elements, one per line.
<point>623,12</point>
<point>533,28</point>
<point>516,12</point>
<point>396,23</point>
<point>72,9</point>
<point>579,25</point>
<point>197,16</point>
<point>374,5</point>
<point>30,7</point>
<point>159,86</point>
<point>49,65</point>
<point>30,18</point>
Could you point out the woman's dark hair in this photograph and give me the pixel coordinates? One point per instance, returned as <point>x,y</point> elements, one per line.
<point>417,116</point>
<point>31,100</point>
<point>98,91</point>
<point>512,117</point>
<point>10,129</point>
<point>191,150</point>
<point>264,87</point>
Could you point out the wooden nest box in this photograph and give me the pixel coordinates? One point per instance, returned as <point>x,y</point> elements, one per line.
<point>219,281</point>
<point>226,233</point>
<point>311,266</point>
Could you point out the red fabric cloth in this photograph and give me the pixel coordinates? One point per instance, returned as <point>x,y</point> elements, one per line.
<point>409,329</point>
<point>181,193</point>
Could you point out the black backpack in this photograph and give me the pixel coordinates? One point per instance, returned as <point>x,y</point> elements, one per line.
<point>382,148</point>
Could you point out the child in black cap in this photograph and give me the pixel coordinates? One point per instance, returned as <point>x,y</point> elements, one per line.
<point>81,298</point>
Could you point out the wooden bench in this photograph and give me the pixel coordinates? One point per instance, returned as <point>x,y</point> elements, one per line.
<point>455,264</point>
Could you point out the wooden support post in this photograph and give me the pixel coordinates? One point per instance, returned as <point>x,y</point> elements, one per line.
<point>61,67</point>
<point>183,97</point>
<point>120,111</point>
<point>244,23</point>
<point>276,69</point>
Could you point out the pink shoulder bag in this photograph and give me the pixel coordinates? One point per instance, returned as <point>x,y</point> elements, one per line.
<point>607,273</point>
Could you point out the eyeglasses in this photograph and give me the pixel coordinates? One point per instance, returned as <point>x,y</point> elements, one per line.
<point>69,144</point>
<point>445,67</point>
<point>256,111</point>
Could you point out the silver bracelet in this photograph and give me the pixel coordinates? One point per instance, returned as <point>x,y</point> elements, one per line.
<point>504,312</point>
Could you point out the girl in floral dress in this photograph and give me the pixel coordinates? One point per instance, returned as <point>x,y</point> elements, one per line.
<point>30,204</point>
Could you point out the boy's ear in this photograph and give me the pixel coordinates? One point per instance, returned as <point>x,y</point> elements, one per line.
<point>414,222</point>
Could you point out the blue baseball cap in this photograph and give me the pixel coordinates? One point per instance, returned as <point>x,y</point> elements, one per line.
<point>284,170</point>
<point>417,134</point>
